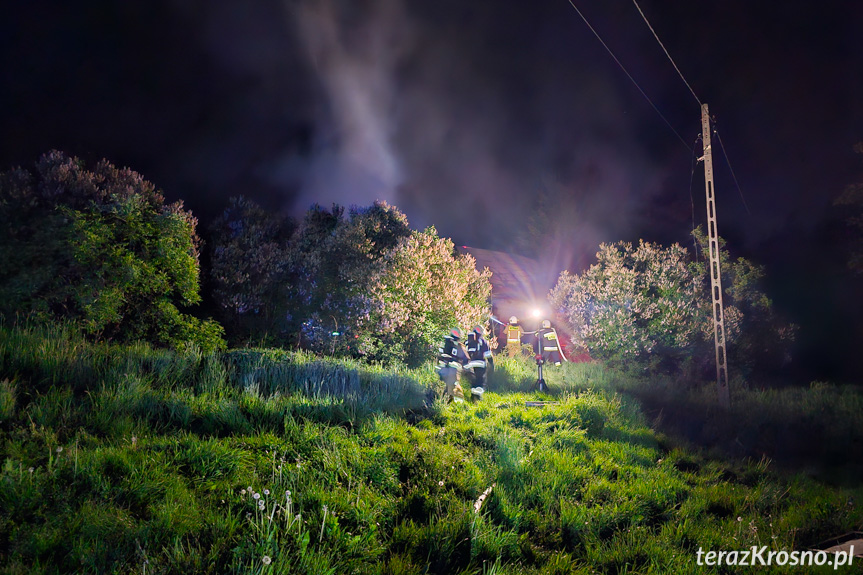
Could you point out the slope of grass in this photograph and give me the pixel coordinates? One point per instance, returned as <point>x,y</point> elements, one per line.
<point>121,460</point>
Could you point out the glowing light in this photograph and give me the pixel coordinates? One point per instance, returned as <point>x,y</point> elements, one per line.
<point>536,313</point>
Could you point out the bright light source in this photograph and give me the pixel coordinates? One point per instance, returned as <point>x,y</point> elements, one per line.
<point>536,312</point>
<point>336,333</point>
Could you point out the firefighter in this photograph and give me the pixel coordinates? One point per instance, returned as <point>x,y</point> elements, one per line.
<point>513,337</point>
<point>450,361</point>
<point>481,361</point>
<point>548,344</point>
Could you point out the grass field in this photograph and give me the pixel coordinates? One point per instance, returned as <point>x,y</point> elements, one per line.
<point>135,460</point>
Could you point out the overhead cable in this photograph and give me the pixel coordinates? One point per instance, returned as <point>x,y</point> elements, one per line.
<point>670,59</point>
<point>727,161</point>
<point>628,75</point>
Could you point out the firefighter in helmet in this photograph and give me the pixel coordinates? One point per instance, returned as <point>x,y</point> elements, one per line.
<point>450,362</point>
<point>514,334</point>
<point>548,344</point>
<point>481,361</point>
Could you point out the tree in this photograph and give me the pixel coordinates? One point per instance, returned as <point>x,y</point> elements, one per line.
<point>249,270</point>
<point>100,248</point>
<point>651,304</point>
<point>634,302</point>
<point>424,291</point>
<point>369,286</point>
<point>757,338</point>
<point>336,260</point>
<point>852,201</point>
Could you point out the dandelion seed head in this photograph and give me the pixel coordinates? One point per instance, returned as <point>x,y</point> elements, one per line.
<point>266,491</point>
<point>59,448</point>
<point>243,492</point>
<point>739,519</point>
<point>440,483</point>
<point>266,559</point>
<point>256,496</point>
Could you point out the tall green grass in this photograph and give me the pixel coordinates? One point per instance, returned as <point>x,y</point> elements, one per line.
<point>131,459</point>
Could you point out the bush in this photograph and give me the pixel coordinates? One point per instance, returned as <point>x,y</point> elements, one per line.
<point>359,283</point>
<point>99,248</point>
<point>652,306</point>
<point>633,302</point>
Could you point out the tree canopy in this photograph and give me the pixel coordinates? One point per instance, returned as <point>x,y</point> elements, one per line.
<point>650,304</point>
<point>355,281</point>
<point>249,270</point>
<point>851,200</point>
<point>102,249</point>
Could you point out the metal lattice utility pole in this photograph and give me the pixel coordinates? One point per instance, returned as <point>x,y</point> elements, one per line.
<point>715,277</point>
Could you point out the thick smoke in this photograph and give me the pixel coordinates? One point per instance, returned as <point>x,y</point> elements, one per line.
<point>353,49</point>
<point>465,127</point>
<point>478,121</point>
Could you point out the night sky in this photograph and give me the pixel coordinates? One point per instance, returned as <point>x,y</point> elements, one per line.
<point>470,114</point>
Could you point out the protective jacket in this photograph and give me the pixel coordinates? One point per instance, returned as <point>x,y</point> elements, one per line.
<point>450,361</point>
<point>481,360</point>
<point>548,346</point>
<point>452,353</point>
<point>513,335</point>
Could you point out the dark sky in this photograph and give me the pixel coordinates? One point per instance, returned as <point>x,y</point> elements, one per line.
<point>469,115</point>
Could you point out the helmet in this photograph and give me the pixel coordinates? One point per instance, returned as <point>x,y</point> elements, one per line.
<point>479,329</point>
<point>456,333</point>
<point>513,320</point>
<point>546,324</point>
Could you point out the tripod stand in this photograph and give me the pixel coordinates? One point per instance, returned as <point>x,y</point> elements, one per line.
<point>540,382</point>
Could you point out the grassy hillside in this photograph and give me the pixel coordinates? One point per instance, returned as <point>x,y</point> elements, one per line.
<point>134,460</point>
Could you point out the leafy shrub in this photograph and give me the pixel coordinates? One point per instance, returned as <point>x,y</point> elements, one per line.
<point>249,270</point>
<point>102,249</point>
<point>356,283</point>
<point>652,306</point>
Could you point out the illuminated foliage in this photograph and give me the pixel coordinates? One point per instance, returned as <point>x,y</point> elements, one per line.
<point>758,338</point>
<point>636,300</point>
<point>424,291</point>
<point>336,260</point>
<point>100,248</point>
<point>369,286</point>
<point>651,304</point>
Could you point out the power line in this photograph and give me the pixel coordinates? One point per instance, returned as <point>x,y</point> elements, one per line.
<point>628,75</point>
<point>727,161</point>
<point>666,52</point>
<point>718,137</point>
